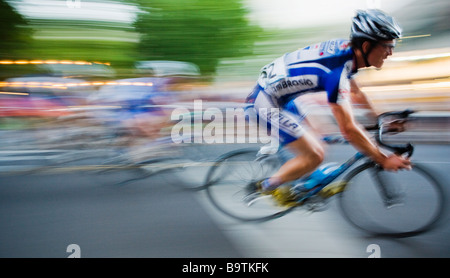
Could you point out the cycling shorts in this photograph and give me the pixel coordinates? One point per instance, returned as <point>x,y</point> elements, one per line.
<point>284,122</point>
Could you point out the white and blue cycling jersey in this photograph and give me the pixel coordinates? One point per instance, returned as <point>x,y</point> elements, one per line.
<point>325,66</point>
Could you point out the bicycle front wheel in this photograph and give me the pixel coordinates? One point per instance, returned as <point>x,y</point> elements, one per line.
<point>229,182</point>
<point>400,204</point>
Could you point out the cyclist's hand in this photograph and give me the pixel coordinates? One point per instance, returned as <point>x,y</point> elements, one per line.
<point>395,163</point>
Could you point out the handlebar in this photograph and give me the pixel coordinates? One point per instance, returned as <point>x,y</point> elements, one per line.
<point>398,149</point>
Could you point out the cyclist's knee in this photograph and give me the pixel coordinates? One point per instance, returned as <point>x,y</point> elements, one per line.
<point>316,156</point>
<point>310,149</point>
<point>311,157</point>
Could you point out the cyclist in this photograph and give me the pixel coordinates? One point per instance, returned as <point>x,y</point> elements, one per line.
<point>328,66</point>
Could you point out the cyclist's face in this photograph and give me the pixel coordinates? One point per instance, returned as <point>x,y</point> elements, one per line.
<point>380,52</point>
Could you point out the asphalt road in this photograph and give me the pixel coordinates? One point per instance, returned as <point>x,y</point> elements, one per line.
<point>43,214</point>
<point>79,213</point>
<point>326,234</point>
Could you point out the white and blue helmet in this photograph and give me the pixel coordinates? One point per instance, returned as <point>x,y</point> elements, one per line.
<point>375,25</point>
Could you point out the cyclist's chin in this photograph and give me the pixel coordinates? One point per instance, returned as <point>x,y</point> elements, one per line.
<point>378,64</point>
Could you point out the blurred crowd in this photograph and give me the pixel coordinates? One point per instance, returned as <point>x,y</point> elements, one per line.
<point>75,96</point>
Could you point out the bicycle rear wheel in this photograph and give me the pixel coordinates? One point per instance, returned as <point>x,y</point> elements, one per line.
<point>228,182</point>
<point>400,204</point>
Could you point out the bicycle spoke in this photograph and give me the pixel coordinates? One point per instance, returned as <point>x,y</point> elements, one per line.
<point>231,187</point>
<point>402,203</point>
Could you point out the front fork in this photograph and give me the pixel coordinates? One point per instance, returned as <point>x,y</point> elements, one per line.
<point>387,185</point>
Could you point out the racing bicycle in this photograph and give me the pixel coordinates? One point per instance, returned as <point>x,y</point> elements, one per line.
<point>400,204</point>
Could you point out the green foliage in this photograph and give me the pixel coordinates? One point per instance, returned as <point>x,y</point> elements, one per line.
<point>14,33</point>
<point>198,31</point>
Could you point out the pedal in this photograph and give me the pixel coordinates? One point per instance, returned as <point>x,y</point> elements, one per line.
<point>332,189</point>
<point>284,197</point>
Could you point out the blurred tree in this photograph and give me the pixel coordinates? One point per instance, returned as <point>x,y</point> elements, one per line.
<point>14,33</point>
<point>15,38</point>
<point>197,31</point>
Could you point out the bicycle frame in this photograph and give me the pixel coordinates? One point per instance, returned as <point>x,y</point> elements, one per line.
<point>399,149</point>
<point>333,175</point>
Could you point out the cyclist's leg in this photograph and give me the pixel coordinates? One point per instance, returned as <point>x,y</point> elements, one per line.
<point>308,151</point>
<point>308,154</point>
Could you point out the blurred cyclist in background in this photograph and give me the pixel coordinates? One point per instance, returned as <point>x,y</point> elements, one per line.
<point>328,66</point>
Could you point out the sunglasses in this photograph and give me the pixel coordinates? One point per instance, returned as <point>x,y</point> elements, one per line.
<point>387,46</point>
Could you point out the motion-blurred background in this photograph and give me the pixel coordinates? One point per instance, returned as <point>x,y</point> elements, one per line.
<point>61,57</point>
<point>79,78</point>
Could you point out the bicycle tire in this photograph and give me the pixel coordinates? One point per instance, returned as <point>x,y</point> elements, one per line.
<point>421,207</point>
<point>227,181</point>
<point>184,172</point>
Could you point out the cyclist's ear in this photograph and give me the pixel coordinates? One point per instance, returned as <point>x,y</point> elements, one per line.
<point>366,46</point>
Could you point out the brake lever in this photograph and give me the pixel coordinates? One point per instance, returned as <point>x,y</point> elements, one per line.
<point>397,149</point>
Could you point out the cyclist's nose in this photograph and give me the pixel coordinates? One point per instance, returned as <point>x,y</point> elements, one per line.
<point>390,50</point>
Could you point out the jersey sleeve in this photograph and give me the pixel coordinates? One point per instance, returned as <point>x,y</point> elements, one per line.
<point>338,84</point>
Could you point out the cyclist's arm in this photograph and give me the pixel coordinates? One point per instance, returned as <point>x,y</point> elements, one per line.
<point>360,99</point>
<point>361,141</point>
<point>354,133</point>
